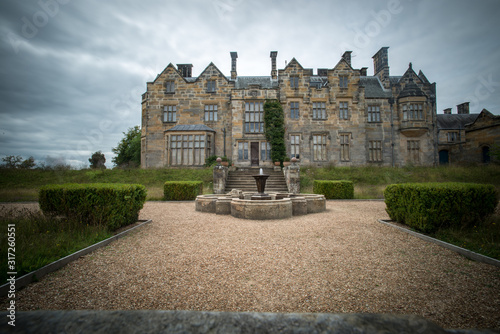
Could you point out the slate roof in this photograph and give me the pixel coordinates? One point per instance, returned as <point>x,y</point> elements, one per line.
<point>373,88</point>
<point>318,81</point>
<point>411,89</point>
<point>192,127</point>
<point>455,121</point>
<point>264,82</point>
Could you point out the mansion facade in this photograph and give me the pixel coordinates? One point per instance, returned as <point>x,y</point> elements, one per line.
<point>338,115</point>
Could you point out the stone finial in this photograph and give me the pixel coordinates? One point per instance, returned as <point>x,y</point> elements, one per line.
<point>218,160</point>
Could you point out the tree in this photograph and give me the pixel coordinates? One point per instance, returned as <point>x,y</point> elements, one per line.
<point>128,151</point>
<point>274,129</point>
<point>97,161</point>
<point>12,161</point>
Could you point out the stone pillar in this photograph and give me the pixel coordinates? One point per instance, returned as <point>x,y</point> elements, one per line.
<point>220,175</point>
<point>292,177</point>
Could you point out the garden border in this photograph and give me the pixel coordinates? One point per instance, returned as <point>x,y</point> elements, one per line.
<point>464,252</point>
<point>23,281</point>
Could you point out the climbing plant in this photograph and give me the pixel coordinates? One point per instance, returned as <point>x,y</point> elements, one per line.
<point>274,129</point>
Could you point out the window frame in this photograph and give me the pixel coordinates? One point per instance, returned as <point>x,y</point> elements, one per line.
<point>294,110</point>
<point>376,112</point>
<point>343,110</point>
<point>452,136</point>
<point>295,146</point>
<point>170,86</point>
<point>413,111</point>
<point>413,150</point>
<point>243,152</point>
<point>211,86</point>
<point>188,149</point>
<point>345,146</point>
<point>343,81</point>
<point>211,111</point>
<point>251,120</point>
<point>321,111</point>
<point>319,147</point>
<point>171,112</point>
<point>375,151</point>
<point>294,81</point>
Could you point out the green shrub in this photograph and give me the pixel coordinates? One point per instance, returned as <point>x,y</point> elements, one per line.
<point>182,190</point>
<point>113,205</point>
<point>430,206</point>
<point>334,189</point>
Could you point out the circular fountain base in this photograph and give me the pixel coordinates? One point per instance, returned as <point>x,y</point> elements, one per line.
<point>261,209</point>
<point>279,206</point>
<point>261,197</point>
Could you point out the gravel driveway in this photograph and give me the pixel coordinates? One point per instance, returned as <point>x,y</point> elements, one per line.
<point>341,260</point>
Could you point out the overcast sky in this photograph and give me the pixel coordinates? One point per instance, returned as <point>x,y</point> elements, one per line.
<point>73,71</point>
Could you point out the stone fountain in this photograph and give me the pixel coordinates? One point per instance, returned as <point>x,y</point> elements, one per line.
<point>261,206</point>
<point>261,179</point>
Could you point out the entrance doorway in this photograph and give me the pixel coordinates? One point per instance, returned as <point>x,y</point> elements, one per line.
<point>444,157</point>
<point>254,153</point>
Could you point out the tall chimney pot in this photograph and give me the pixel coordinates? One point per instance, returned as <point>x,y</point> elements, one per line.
<point>274,72</point>
<point>234,56</point>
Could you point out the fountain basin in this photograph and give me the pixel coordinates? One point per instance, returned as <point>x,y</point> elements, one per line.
<point>261,209</point>
<point>280,206</point>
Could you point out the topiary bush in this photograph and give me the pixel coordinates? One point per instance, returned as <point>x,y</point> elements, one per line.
<point>429,206</point>
<point>182,190</point>
<point>334,189</point>
<point>114,205</point>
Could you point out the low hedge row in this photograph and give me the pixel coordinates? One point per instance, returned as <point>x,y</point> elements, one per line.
<point>182,190</point>
<point>429,206</point>
<point>114,205</point>
<point>334,189</point>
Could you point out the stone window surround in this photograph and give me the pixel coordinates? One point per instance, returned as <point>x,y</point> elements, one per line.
<point>211,86</point>
<point>323,146</point>
<point>247,119</point>
<point>345,146</point>
<point>374,112</point>
<point>344,110</point>
<point>294,109</point>
<point>295,145</point>
<point>210,109</point>
<point>413,150</point>
<point>375,151</point>
<point>343,81</point>
<point>170,87</point>
<point>170,111</point>
<point>294,81</point>
<point>205,146</point>
<point>317,111</point>
<point>413,111</point>
<point>453,136</point>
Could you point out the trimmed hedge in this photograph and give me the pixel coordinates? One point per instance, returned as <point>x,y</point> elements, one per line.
<point>114,205</point>
<point>182,190</point>
<point>334,189</point>
<point>429,206</point>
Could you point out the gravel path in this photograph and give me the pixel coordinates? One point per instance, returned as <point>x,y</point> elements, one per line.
<point>341,260</point>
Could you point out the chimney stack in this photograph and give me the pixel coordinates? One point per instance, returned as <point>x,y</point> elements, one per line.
<point>274,72</point>
<point>185,70</point>
<point>234,55</point>
<point>447,111</point>
<point>381,66</point>
<point>463,108</point>
<point>347,57</point>
<point>362,71</point>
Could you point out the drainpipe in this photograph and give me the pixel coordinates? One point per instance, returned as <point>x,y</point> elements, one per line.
<point>224,131</point>
<point>391,102</point>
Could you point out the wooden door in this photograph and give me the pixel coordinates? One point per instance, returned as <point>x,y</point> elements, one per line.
<point>254,153</point>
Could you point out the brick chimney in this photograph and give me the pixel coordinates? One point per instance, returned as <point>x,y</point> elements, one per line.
<point>274,72</point>
<point>185,70</point>
<point>381,66</point>
<point>234,55</point>
<point>347,57</point>
<point>447,111</point>
<point>463,108</point>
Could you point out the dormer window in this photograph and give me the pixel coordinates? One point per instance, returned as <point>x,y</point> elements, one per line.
<point>211,85</point>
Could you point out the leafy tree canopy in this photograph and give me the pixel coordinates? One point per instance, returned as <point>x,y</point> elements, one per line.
<point>12,161</point>
<point>97,160</point>
<point>128,151</point>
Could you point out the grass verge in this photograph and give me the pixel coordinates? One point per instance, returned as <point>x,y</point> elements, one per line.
<point>40,240</point>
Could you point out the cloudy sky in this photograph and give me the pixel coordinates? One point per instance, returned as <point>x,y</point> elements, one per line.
<point>73,71</point>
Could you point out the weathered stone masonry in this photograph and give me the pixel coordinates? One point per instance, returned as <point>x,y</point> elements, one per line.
<point>337,116</point>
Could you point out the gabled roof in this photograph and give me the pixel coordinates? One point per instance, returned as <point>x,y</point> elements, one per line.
<point>410,73</point>
<point>455,121</point>
<point>293,61</point>
<point>191,127</point>
<point>422,76</point>
<point>342,60</point>
<point>169,66</point>
<point>206,68</point>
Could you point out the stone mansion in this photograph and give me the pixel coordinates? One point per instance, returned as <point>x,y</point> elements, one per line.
<point>338,115</point>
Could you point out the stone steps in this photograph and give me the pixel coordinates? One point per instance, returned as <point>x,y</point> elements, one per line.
<point>242,179</point>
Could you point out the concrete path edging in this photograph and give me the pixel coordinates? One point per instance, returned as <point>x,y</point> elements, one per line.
<point>462,251</point>
<point>51,267</point>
